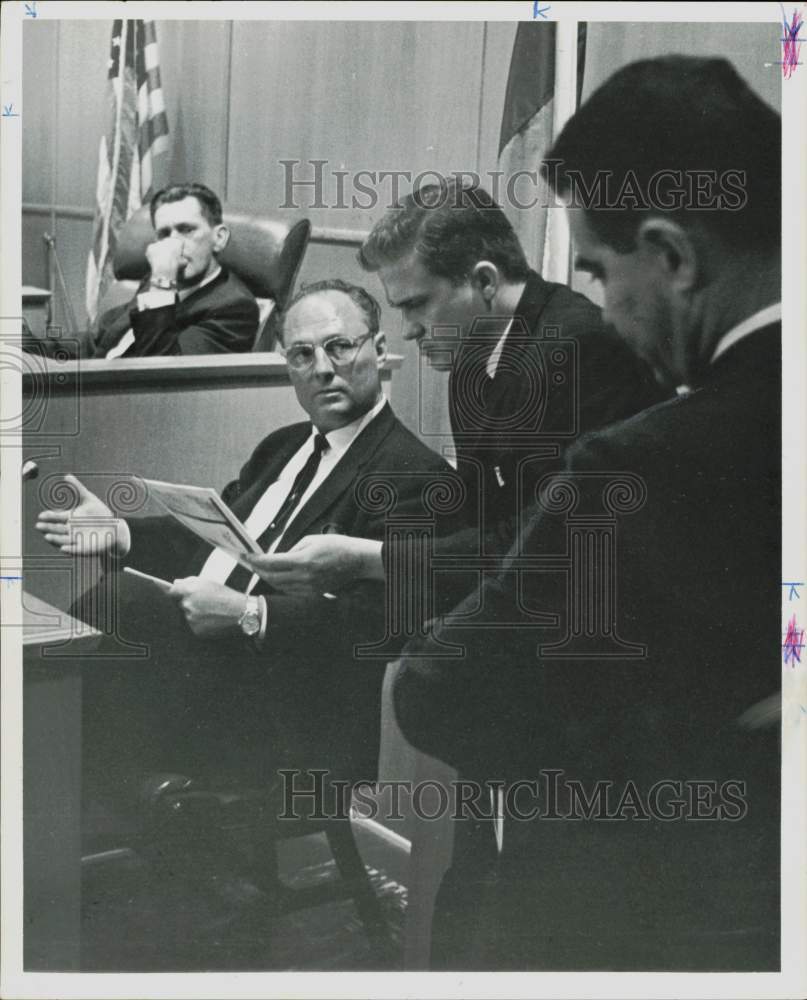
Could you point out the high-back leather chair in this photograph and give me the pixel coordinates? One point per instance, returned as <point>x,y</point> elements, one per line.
<point>264,252</point>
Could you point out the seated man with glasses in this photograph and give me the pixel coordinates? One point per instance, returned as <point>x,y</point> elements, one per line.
<point>237,674</point>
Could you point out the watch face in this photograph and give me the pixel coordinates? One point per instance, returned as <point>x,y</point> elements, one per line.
<point>251,622</point>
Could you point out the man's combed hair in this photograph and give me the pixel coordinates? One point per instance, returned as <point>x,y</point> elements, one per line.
<point>452,226</point>
<point>208,201</point>
<point>358,295</point>
<point>677,136</point>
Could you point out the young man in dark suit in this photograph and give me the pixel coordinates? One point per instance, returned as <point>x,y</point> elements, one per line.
<point>189,304</point>
<point>531,363</point>
<point>532,366</point>
<point>647,833</point>
<point>239,673</point>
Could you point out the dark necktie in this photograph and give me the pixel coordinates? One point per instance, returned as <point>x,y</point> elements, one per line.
<point>240,576</point>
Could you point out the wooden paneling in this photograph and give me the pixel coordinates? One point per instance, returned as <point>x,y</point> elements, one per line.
<point>73,241</point>
<point>499,38</point>
<point>34,251</point>
<point>194,64</point>
<point>361,95</point>
<point>39,94</point>
<point>752,48</point>
<point>79,115</point>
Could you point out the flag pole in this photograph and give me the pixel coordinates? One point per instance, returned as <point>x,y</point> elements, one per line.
<point>557,245</point>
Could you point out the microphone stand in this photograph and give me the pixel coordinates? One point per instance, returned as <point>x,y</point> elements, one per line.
<point>71,316</point>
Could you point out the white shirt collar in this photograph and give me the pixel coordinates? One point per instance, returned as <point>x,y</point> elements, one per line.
<point>493,361</point>
<point>339,439</point>
<point>763,318</point>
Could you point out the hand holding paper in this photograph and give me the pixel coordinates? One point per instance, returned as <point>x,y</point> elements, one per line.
<point>320,563</point>
<point>209,608</point>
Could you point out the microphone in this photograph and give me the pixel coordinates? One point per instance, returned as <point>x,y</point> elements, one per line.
<point>30,470</point>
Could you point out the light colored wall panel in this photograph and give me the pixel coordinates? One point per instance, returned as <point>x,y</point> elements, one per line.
<point>752,48</point>
<point>73,241</point>
<point>499,37</point>
<point>194,64</point>
<point>39,89</point>
<point>361,95</point>
<point>79,116</point>
<point>34,251</point>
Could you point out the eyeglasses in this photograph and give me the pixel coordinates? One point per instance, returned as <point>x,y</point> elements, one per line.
<point>340,351</point>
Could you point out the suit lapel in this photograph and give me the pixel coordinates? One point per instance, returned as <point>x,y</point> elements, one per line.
<point>113,331</point>
<point>509,377</point>
<point>242,506</point>
<point>497,397</point>
<point>341,480</point>
<point>297,435</point>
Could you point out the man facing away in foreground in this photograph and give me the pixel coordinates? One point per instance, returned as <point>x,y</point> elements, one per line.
<point>646,833</point>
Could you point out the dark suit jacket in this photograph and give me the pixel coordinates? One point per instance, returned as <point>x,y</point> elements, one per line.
<point>325,703</point>
<point>697,581</point>
<point>221,317</point>
<point>562,372</point>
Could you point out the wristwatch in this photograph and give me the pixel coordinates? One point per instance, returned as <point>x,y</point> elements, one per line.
<point>250,620</point>
<point>165,283</point>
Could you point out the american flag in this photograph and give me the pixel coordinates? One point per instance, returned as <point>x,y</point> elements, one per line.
<point>137,131</point>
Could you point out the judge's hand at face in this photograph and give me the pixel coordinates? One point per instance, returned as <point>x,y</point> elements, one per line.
<point>209,608</point>
<point>320,564</point>
<point>165,257</point>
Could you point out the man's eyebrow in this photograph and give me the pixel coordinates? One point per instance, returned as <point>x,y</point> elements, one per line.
<point>403,302</point>
<point>584,264</point>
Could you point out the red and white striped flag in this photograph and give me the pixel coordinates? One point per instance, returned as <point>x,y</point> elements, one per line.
<point>137,131</point>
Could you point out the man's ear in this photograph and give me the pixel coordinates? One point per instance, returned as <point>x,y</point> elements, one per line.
<point>380,345</point>
<point>485,276</point>
<point>221,237</point>
<point>674,249</point>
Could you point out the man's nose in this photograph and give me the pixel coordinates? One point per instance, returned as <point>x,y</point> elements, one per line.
<point>322,366</point>
<point>413,330</point>
<point>607,313</point>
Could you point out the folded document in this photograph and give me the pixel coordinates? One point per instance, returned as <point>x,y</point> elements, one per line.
<point>203,511</point>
